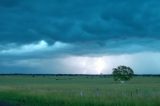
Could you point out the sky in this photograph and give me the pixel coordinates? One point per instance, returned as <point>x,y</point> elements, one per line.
<point>79,36</point>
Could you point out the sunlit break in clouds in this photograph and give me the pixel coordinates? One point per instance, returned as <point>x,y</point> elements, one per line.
<point>79,36</point>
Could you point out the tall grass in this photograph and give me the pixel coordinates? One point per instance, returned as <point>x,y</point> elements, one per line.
<point>79,91</point>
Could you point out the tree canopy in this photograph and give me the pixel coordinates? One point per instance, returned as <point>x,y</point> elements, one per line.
<point>122,73</point>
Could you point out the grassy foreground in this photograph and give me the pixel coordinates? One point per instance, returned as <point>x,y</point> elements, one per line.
<point>79,91</point>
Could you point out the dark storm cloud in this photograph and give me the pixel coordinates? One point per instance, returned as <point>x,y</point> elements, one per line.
<point>36,36</point>
<point>26,21</point>
<point>9,3</point>
<point>105,26</point>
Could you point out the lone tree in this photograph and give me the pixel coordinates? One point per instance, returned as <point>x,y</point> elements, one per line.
<point>122,73</point>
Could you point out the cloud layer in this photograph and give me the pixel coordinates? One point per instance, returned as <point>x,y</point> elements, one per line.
<point>78,20</point>
<point>38,29</point>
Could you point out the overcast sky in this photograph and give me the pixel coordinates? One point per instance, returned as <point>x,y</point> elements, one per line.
<point>79,36</point>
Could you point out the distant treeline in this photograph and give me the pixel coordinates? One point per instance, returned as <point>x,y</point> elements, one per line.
<point>101,75</point>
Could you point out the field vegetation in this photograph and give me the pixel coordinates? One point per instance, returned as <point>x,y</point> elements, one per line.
<point>78,91</point>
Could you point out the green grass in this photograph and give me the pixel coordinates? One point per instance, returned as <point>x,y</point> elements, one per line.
<point>79,91</point>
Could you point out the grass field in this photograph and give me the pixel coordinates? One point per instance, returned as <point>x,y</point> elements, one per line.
<point>79,91</point>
